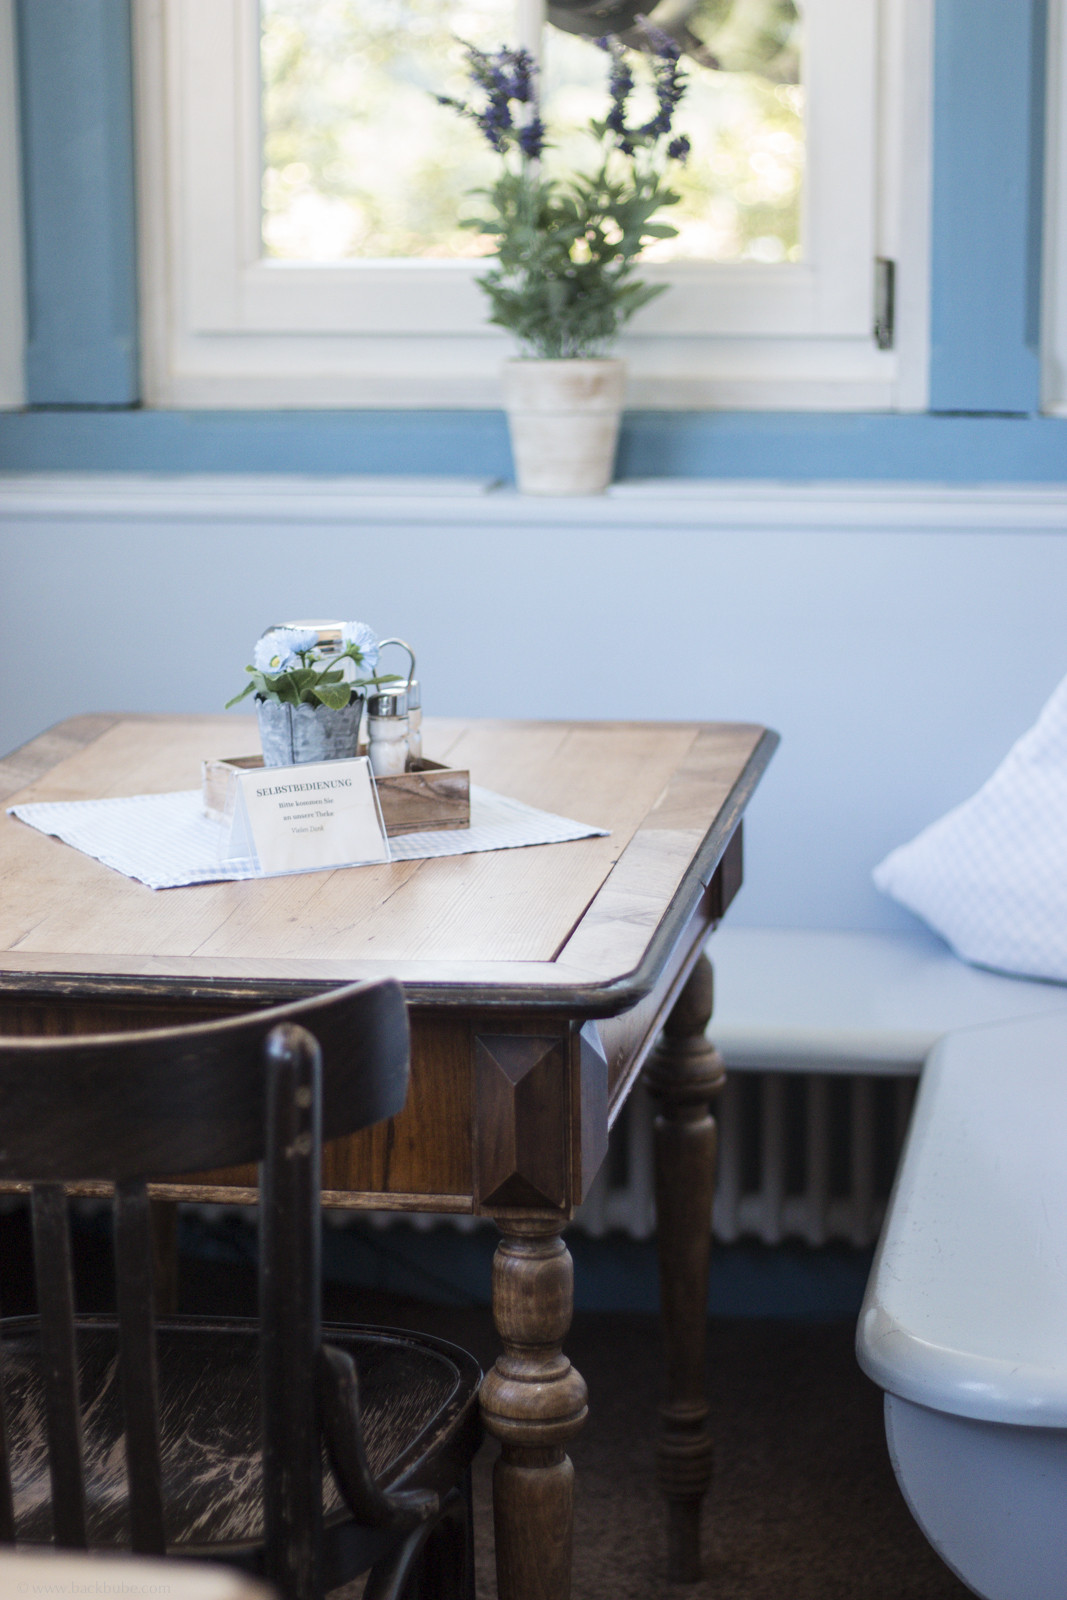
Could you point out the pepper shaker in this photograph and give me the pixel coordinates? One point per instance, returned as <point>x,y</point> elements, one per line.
<point>387,730</point>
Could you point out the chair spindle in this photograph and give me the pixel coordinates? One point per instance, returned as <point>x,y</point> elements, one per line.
<point>290,1296</point>
<point>7,1498</point>
<point>59,1363</point>
<point>134,1282</point>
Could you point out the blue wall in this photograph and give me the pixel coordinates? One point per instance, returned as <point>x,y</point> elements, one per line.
<point>988,140</point>
<point>898,664</point>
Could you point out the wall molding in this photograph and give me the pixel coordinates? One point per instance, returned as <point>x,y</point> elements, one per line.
<point>775,447</point>
<point>685,503</point>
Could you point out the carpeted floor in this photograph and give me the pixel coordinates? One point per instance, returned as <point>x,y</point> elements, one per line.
<point>804,1506</point>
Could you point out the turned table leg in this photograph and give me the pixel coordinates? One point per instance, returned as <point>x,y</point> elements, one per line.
<point>534,1402</point>
<point>684,1075</point>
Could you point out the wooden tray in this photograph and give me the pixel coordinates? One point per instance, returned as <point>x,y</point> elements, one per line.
<point>425,799</point>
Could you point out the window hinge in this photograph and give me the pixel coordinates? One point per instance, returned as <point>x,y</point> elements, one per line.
<point>885,282</point>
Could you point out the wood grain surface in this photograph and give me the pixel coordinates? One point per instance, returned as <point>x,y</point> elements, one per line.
<point>561,918</point>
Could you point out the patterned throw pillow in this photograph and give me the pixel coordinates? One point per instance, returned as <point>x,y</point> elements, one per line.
<point>991,875</point>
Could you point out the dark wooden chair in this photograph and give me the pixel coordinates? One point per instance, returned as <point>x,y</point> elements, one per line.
<point>305,1453</point>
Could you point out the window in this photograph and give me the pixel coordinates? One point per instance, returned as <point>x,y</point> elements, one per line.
<point>312,298</point>
<point>360,162</point>
<point>11,307</point>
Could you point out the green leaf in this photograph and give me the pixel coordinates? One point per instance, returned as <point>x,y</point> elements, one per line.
<point>335,696</point>
<point>245,692</point>
<point>286,688</point>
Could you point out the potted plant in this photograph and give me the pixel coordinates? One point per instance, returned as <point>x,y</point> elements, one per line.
<point>565,280</point>
<point>308,696</point>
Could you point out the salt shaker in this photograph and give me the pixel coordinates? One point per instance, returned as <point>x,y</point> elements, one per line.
<point>414,718</point>
<point>414,694</point>
<point>387,730</point>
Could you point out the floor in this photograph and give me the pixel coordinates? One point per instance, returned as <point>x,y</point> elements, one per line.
<point>804,1507</point>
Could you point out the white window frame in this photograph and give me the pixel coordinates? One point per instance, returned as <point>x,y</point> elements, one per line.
<point>225,327</point>
<point>12,292</point>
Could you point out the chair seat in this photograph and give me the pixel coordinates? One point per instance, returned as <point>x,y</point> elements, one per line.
<point>417,1394</point>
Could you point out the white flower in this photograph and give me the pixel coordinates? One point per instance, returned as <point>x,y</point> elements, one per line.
<point>298,641</point>
<point>265,657</point>
<point>365,641</point>
<point>277,650</point>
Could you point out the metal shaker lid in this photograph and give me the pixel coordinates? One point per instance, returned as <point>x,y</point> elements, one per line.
<point>414,691</point>
<point>388,700</point>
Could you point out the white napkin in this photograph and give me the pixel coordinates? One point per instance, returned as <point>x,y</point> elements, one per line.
<point>166,841</point>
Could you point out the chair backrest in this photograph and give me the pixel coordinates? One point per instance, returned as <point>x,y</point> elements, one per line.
<point>268,1086</point>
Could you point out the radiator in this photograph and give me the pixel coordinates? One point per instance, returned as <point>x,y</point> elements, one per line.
<point>801,1156</point>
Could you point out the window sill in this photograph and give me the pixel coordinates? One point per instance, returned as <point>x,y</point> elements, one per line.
<point>684,503</point>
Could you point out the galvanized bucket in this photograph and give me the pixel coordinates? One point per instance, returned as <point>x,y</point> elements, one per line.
<point>293,735</point>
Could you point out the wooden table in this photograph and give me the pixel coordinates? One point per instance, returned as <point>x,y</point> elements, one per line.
<point>538,981</point>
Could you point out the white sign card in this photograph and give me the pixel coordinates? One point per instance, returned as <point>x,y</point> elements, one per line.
<point>306,818</point>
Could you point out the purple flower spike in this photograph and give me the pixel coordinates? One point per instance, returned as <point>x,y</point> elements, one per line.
<point>505,77</point>
<point>663,45</point>
<point>521,87</point>
<point>678,149</point>
<point>532,139</point>
<point>620,87</point>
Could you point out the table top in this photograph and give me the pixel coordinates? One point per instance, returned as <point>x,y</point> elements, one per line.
<point>583,926</point>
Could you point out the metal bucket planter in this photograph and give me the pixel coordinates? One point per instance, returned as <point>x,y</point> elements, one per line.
<point>292,735</point>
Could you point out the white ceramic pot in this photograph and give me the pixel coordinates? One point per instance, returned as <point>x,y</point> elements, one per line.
<point>564,422</point>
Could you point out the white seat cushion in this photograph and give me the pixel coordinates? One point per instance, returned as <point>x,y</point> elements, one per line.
<point>991,875</point>
<point>814,1000</point>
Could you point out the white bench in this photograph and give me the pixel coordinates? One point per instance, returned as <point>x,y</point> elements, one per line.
<point>963,1320</point>
<point>806,1000</point>
<point>826,1005</point>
